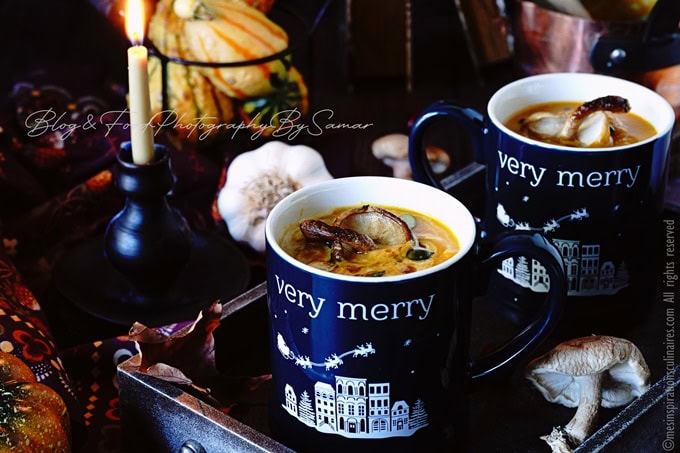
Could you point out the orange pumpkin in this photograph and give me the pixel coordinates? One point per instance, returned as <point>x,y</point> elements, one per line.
<point>33,417</point>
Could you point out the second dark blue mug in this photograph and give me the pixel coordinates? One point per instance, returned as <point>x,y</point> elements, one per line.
<point>600,207</point>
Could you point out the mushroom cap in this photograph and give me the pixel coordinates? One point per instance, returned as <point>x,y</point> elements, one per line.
<point>392,149</point>
<point>556,374</point>
<point>391,145</point>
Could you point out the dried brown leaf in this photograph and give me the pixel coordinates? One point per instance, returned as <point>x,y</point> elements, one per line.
<point>176,377</point>
<point>168,373</point>
<point>190,350</point>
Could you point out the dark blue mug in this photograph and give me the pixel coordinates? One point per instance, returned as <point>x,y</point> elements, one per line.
<point>600,207</point>
<point>364,363</point>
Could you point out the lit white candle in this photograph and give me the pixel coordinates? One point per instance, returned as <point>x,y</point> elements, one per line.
<point>141,132</point>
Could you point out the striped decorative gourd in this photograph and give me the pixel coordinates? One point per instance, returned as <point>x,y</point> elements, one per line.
<point>194,104</point>
<point>224,31</point>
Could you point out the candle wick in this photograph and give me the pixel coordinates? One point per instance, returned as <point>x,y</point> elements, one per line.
<point>136,39</point>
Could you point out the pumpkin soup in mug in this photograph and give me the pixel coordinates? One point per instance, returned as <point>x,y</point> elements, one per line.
<point>370,241</point>
<point>603,122</point>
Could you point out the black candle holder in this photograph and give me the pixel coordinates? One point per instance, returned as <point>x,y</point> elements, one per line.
<point>147,241</point>
<point>149,266</point>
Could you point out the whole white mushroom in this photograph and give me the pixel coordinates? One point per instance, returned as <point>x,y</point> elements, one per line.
<point>587,373</point>
<point>392,150</point>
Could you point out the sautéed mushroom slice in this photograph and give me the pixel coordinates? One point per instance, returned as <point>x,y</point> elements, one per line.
<point>338,237</point>
<point>363,229</point>
<point>590,124</point>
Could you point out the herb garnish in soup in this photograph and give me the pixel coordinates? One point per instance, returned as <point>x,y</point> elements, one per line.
<point>602,122</point>
<point>370,241</point>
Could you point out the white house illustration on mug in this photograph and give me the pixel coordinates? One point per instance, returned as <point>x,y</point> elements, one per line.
<point>355,408</point>
<point>586,276</point>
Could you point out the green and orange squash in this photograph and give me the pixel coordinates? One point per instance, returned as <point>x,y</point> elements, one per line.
<point>289,103</point>
<point>33,417</point>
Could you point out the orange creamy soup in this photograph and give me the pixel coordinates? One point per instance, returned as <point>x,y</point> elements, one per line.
<point>384,258</point>
<point>624,129</point>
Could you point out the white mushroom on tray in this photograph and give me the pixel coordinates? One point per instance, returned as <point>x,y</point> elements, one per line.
<point>587,373</point>
<point>392,150</point>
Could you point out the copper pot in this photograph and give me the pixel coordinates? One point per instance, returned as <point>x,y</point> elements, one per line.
<point>549,41</point>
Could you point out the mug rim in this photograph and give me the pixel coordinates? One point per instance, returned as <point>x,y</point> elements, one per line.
<point>293,199</point>
<point>660,100</point>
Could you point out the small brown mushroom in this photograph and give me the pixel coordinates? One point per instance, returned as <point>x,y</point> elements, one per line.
<point>392,150</point>
<point>586,373</point>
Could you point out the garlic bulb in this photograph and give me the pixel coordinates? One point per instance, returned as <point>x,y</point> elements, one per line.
<point>258,179</point>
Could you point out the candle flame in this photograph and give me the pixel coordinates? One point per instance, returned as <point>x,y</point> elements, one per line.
<point>134,21</point>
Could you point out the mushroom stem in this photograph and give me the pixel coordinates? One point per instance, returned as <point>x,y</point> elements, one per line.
<point>557,441</point>
<point>581,425</point>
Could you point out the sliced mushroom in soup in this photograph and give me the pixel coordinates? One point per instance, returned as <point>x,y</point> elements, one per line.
<point>600,123</point>
<point>370,241</point>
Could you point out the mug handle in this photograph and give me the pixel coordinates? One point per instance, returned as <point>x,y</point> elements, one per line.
<point>469,118</point>
<point>538,247</point>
